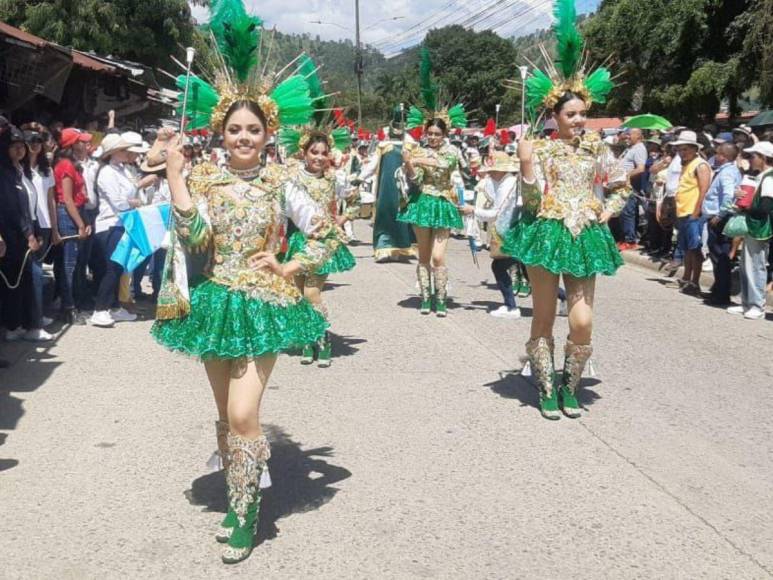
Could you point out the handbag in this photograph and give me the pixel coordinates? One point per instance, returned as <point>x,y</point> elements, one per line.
<point>736,227</point>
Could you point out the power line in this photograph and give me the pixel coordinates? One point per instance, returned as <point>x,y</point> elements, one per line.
<point>419,34</point>
<point>435,16</point>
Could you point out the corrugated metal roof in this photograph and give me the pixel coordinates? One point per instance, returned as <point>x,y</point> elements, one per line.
<point>78,58</point>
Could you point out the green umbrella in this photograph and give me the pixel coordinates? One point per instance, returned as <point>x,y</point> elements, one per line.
<point>652,122</point>
<point>764,118</point>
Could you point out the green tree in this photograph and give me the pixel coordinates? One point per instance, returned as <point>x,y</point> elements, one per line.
<point>682,59</point>
<point>471,66</point>
<point>147,32</point>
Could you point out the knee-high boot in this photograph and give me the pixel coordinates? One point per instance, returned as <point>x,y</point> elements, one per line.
<point>540,353</point>
<point>441,290</point>
<point>422,275</point>
<point>577,356</point>
<point>248,459</point>
<point>223,457</point>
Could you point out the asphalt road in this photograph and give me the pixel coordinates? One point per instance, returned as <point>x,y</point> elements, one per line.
<point>418,454</point>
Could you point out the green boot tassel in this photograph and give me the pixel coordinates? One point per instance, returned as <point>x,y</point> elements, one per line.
<point>325,351</point>
<point>248,460</point>
<point>441,291</point>
<point>540,353</point>
<point>577,356</point>
<point>422,274</point>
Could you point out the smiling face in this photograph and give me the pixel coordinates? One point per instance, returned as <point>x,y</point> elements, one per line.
<point>435,136</point>
<point>244,138</point>
<point>571,118</point>
<point>317,157</point>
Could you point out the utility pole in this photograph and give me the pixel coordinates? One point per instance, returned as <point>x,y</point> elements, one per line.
<point>358,62</point>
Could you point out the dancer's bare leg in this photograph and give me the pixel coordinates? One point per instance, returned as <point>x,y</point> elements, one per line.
<point>248,381</point>
<point>544,294</point>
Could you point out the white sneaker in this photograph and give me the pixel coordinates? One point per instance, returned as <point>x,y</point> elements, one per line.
<point>735,310</point>
<point>123,315</point>
<point>514,313</point>
<point>47,321</point>
<point>562,310</point>
<point>754,313</point>
<point>38,335</point>
<point>14,335</point>
<point>504,312</point>
<point>101,318</point>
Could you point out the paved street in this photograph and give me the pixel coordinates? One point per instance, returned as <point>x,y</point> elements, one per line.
<point>416,455</point>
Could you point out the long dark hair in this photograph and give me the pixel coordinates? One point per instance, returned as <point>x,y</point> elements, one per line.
<point>439,123</point>
<point>5,158</point>
<point>316,137</point>
<point>251,106</point>
<point>565,98</point>
<point>44,165</point>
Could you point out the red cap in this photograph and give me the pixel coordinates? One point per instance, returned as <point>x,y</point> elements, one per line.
<point>71,136</point>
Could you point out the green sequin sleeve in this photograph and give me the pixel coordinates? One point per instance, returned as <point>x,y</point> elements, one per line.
<point>192,230</point>
<point>323,236</point>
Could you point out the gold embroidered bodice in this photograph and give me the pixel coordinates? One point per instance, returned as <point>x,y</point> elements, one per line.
<point>434,178</point>
<point>571,181</point>
<point>234,219</point>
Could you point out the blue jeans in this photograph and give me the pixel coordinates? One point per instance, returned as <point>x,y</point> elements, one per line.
<point>107,294</point>
<point>500,267</point>
<point>754,272</point>
<point>38,279</point>
<point>628,218</point>
<point>66,259</point>
<point>719,253</point>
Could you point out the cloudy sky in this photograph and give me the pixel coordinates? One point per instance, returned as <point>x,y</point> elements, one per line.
<point>394,24</point>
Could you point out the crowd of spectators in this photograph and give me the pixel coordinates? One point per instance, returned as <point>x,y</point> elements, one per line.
<point>702,202</point>
<point>62,190</point>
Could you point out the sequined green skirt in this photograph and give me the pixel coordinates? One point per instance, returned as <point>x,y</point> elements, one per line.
<point>228,324</point>
<point>549,243</point>
<point>430,211</point>
<point>341,261</point>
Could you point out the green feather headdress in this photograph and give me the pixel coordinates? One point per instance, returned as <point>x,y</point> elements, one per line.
<point>238,73</point>
<point>454,117</point>
<point>567,73</point>
<point>293,139</point>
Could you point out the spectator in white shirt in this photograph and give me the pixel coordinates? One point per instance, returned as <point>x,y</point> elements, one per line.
<point>117,192</point>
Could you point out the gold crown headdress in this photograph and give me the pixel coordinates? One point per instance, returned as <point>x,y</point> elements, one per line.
<point>238,74</point>
<point>454,117</point>
<point>567,73</point>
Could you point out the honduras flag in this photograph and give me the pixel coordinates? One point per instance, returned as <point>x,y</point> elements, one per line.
<point>146,230</point>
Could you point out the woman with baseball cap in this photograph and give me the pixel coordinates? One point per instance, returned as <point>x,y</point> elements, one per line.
<point>19,311</point>
<point>70,195</point>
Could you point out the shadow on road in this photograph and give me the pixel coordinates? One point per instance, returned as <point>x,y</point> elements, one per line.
<point>302,481</point>
<point>413,303</point>
<point>512,385</point>
<point>344,345</point>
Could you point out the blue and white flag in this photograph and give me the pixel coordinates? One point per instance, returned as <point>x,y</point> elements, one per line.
<point>146,230</point>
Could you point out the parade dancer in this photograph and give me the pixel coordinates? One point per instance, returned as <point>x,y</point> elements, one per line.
<point>316,181</point>
<point>433,207</point>
<point>244,309</point>
<point>392,240</point>
<point>563,230</point>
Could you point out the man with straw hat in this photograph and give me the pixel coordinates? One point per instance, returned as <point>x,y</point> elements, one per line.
<point>694,182</point>
<point>499,188</point>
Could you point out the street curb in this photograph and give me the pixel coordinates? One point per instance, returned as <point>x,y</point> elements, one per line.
<point>634,258</point>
